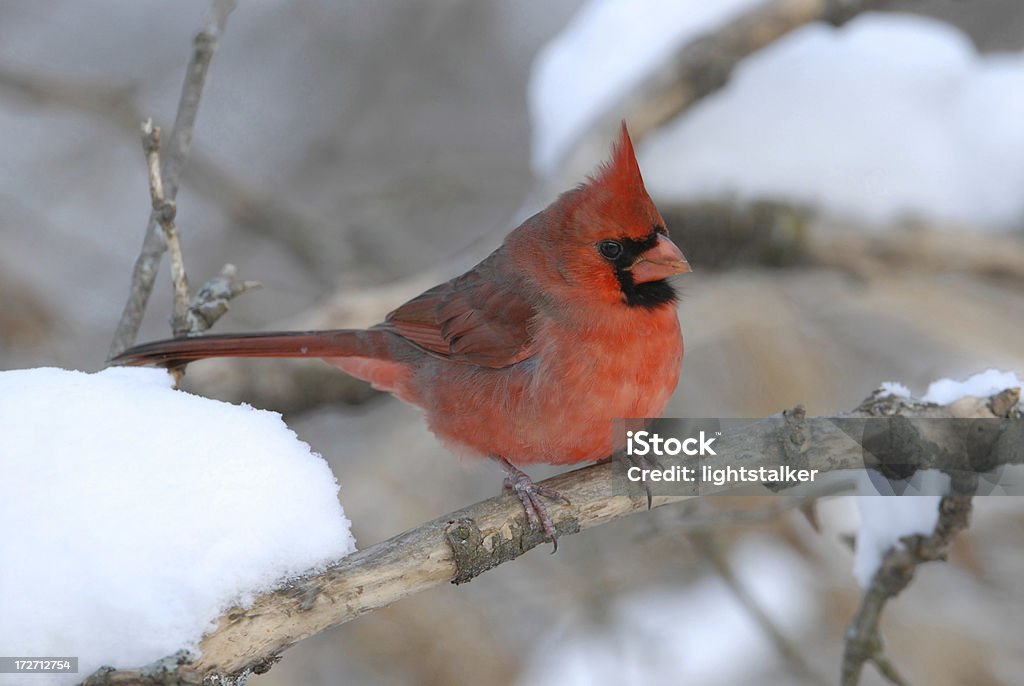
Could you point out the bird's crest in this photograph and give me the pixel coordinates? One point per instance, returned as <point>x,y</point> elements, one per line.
<point>620,175</point>
<point>614,197</point>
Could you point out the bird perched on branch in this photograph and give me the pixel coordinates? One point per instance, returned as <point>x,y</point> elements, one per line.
<point>529,356</point>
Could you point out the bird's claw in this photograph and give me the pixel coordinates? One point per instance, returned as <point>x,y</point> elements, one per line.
<point>531,496</point>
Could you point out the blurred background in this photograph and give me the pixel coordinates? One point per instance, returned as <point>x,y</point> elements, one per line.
<point>852,202</point>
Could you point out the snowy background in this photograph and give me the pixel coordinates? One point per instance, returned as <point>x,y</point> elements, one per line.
<point>344,144</point>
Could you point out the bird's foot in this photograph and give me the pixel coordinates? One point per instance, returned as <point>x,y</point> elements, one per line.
<point>531,496</point>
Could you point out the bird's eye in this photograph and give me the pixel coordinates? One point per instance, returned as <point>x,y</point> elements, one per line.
<point>610,249</point>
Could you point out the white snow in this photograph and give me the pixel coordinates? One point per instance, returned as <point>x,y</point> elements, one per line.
<point>607,48</point>
<point>884,519</point>
<point>894,389</point>
<point>133,514</point>
<point>686,635</point>
<point>984,384</point>
<point>886,117</point>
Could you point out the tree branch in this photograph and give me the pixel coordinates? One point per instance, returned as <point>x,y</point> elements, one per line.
<point>205,46</point>
<point>863,638</point>
<point>164,210</point>
<point>148,263</point>
<point>462,545</point>
<point>212,301</point>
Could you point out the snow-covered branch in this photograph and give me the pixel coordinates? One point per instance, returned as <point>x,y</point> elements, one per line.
<point>896,571</point>
<point>698,68</point>
<point>462,545</point>
<point>863,641</point>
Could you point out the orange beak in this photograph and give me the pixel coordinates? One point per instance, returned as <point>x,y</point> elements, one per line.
<point>665,259</point>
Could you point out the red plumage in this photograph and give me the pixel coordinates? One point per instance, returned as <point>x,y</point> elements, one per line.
<point>530,355</point>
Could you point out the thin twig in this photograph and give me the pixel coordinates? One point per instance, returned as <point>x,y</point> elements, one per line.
<point>188,317</point>
<point>164,210</point>
<point>887,669</point>
<point>863,638</point>
<point>206,43</point>
<point>148,263</point>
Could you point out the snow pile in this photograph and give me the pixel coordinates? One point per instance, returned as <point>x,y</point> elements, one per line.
<point>988,382</point>
<point>133,514</point>
<point>608,47</point>
<point>884,520</point>
<point>683,636</point>
<point>895,389</point>
<point>888,116</point>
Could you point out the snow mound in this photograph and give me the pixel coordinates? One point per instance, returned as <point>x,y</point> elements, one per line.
<point>134,514</point>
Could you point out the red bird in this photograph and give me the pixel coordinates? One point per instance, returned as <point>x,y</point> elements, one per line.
<point>530,355</point>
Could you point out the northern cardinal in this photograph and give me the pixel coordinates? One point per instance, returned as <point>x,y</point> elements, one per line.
<point>529,356</point>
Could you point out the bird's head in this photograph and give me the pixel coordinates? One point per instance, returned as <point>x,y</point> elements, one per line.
<point>606,240</point>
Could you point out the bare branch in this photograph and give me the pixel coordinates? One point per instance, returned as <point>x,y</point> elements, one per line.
<point>213,299</point>
<point>148,263</point>
<point>205,46</point>
<point>863,638</point>
<point>164,210</point>
<point>462,545</point>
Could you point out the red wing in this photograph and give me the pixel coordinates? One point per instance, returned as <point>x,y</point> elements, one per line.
<point>477,318</point>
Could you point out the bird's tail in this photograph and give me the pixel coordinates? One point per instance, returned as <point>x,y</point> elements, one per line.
<point>371,343</point>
